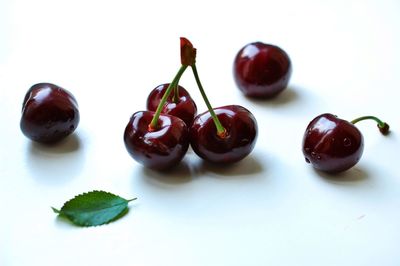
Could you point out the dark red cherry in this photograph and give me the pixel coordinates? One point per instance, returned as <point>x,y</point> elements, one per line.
<point>182,106</point>
<point>262,70</point>
<point>334,145</point>
<point>331,144</point>
<point>159,148</point>
<point>49,113</point>
<point>236,143</point>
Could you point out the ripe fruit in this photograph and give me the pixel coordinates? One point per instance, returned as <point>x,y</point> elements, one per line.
<point>159,148</point>
<point>262,70</point>
<point>49,113</point>
<point>221,135</point>
<point>333,145</point>
<point>179,103</point>
<point>237,141</point>
<point>158,141</point>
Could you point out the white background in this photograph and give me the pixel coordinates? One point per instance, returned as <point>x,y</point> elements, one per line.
<point>270,209</point>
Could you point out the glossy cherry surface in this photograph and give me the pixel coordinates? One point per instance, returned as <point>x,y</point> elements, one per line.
<point>262,70</point>
<point>238,142</point>
<point>331,144</point>
<point>183,106</point>
<point>160,148</point>
<point>49,113</point>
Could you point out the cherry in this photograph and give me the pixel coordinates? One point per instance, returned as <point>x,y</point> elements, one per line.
<point>178,104</point>
<point>222,135</point>
<point>334,145</point>
<point>236,143</point>
<point>160,148</point>
<point>262,70</point>
<point>158,141</point>
<point>49,113</point>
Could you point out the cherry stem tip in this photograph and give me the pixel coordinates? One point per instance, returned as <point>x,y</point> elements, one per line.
<point>382,126</point>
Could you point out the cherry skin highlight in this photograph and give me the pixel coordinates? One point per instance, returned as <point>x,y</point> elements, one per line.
<point>183,106</point>
<point>262,70</point>
<point>238,141</point>
<point>159,148</point>
<point>331,144</point>
<point>49,113</point>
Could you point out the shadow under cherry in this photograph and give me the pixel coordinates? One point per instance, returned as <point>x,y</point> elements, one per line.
<point>179,174</point>
<point>247,168</point>
<point>349,177</point>
<point>293,99</point>
<point>70,144</point>
<point>56,163</point>
<point>287,96</point>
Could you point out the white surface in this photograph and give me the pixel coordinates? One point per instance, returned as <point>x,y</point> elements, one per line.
<point>270,209</point>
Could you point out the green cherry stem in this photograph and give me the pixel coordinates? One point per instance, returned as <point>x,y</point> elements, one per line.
<point>154,122</point>
<point>221,131</point>
<point>383,126</point>
<point>175,97</point>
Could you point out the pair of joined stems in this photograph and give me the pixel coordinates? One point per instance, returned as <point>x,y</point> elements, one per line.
<point>221,131</point>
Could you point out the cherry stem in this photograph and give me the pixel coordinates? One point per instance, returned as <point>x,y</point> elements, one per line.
<point>175,97</point>
<point>221,131</point>
<point>154,122</point>
<point>383,126</point>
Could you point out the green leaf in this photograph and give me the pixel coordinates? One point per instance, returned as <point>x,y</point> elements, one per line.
<point>94,208</point>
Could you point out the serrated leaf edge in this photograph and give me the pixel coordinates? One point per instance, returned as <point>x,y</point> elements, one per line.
<point>94,191</point>
<point>62,213</point>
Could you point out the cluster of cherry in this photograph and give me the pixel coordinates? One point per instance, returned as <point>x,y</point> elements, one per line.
<point>159,137</point>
